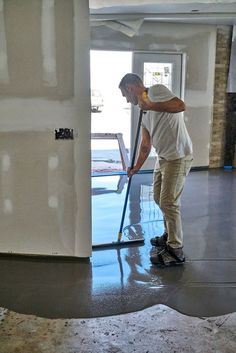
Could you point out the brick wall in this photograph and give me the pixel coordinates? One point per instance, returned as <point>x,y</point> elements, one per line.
<point>223,47</point>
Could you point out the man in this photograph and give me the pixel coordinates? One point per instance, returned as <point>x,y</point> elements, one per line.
<point>163,127</point>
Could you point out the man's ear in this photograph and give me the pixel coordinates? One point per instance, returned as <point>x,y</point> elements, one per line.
<point>129,88</point>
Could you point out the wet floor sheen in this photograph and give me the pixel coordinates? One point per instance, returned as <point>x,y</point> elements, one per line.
<point>142,218</point>
<point>121,280</point>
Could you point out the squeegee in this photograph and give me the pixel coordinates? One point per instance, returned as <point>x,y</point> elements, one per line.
<point>119,241</point>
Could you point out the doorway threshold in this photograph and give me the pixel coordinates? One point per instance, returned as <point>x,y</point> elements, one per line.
<point>122,172</point>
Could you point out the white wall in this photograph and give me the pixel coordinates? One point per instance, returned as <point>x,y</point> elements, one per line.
<point>198,42</point>
<point>44,85</point>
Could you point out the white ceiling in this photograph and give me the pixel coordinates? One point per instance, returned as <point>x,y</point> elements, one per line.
<point>220,12</point>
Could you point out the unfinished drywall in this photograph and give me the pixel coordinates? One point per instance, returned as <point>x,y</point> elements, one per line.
<point>44,86</point>
<point>198,42</point>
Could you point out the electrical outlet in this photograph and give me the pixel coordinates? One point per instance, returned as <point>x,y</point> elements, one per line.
<point>64,134</point>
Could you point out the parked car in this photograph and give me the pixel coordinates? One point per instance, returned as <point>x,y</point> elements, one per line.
<point>96,100</point>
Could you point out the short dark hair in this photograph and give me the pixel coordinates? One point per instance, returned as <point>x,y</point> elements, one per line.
<point>130,78</point>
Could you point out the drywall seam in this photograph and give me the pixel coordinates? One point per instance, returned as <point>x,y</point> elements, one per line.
<point>4,75</point>
<point>49,43</point>
<point>36,114</point>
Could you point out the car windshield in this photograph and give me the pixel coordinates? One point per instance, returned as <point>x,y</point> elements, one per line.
<point>96,93</point>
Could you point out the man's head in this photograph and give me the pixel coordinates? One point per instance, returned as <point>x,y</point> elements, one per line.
<point>131,87</point>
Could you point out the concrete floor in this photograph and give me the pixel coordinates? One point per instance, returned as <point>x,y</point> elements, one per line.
<point>122,281</point>
<point>156,329</point>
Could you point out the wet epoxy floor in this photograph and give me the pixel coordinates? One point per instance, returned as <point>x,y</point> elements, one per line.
<point>122,280</point>
<point>142,218</point>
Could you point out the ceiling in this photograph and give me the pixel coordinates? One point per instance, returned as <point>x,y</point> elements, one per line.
<point>219,12</point>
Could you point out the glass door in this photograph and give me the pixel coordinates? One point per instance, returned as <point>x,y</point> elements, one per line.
<point>157,68</point>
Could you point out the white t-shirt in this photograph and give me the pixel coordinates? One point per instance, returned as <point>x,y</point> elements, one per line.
<point>168,132</point>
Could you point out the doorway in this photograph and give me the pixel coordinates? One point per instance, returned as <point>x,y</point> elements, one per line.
<point>116,116</point>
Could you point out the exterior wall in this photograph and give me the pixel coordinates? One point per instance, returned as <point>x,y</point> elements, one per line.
<point>223,46</point>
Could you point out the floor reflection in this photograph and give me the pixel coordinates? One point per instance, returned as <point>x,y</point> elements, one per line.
<point>143,217</point>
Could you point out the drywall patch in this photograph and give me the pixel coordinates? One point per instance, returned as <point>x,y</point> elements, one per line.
<point>53,202</point>
<point>53,162</point>
<point>7,206</point>
<point>6,163</point>
<point>6,182</point>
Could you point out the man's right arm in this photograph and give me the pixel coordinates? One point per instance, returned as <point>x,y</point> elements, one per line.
<point>174,105</point>
<point>166,101</point>
<point>144,150</point>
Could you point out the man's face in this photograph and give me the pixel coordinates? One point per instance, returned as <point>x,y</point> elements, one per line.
<point>130,95</point>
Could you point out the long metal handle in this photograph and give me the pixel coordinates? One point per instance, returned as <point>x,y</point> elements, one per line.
<point>130,178</point>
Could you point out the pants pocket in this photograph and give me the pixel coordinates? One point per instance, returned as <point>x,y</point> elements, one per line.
<point>187,166</point>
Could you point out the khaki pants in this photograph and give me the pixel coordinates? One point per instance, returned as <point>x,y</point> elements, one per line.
<point>168,185</point>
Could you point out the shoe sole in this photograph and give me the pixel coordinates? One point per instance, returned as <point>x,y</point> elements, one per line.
<point>168,264</point>
<point>176,264</point>
<point>157,245</point>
